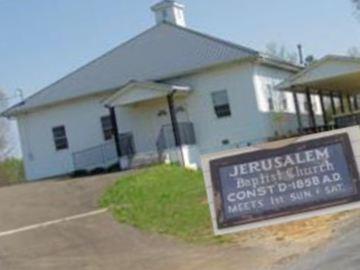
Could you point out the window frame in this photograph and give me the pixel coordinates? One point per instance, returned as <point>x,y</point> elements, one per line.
<point>60,141</point>
<point>107,128</point>
<point>221,110</point>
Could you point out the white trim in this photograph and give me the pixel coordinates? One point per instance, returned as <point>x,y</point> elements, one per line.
<point>159,87</point>
<point>52,222</point>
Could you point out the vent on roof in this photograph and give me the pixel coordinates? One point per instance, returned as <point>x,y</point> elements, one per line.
<point>169,11</point>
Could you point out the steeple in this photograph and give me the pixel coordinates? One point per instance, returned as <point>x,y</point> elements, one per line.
<point>169,11</point>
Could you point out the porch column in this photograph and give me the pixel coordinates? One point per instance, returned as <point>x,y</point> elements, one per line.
<point>332,99</point>
<point>174,124</point>
<point>115,132</point>
<point>342,105</point>
<point>312,120</point>
<point>356,104</point>
<point>297,109</point>
<point>349,103</point>
<point>323,110</point>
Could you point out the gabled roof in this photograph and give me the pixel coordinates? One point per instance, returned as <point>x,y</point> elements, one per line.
<point>162,51</point>
<point>330,73</point>
<point>136,92</point>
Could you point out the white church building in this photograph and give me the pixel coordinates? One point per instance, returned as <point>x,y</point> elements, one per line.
<point>169,94</point>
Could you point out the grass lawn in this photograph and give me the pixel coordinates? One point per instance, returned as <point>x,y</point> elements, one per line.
<point>165,199</point>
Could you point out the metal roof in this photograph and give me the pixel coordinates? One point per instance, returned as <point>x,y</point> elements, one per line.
<point>332,73</point>
<point>162,51</point>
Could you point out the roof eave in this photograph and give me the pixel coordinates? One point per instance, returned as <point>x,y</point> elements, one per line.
<point>291,82</point>
<point>16,110</point>
<point>262,59</point>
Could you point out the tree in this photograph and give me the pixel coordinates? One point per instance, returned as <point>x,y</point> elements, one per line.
<point>354,51</point>
<point>5,145</point>
<point>356,4</point>
<point>274,49</point>
<point>309,60</point>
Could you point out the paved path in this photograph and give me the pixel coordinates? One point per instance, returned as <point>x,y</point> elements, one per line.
<point>32,203</point>
<point>95,241</point>
<point>98,242</point>
<point>57,225</point>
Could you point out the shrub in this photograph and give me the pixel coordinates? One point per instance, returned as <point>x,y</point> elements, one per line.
<point>11,172</point>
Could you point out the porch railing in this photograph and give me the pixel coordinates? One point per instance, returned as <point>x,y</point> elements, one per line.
<point>347,120</point>
<point>166,138</point>
<point>101,156</point>
<point>105,155</point>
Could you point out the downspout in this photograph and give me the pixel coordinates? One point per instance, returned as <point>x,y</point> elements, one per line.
<point>175,125</point>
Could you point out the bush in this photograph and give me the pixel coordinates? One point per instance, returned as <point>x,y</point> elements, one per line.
<point>11,172</point>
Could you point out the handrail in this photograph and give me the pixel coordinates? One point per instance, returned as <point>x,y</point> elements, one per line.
<point>100,156</point>
<point>166,140</point>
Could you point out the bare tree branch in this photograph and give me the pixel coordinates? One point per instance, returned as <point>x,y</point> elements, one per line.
<point>274,49</point>
<point>356,4</point>
<point>354,51</point>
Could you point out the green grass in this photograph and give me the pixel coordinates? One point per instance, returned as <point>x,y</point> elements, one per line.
<point>11,172</point>
<point>165,199</point>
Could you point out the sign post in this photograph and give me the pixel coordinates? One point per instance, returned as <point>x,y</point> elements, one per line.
<point>283,181</point>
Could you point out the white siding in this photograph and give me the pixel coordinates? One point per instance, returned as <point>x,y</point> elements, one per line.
<point>145,124</point>
<point>83,127</point>
<point>280,119</point>
<point>249,120</point>
<point>143,121</point>
<point>266,75</point>
<point>241,126</point>
<point>328,68</point>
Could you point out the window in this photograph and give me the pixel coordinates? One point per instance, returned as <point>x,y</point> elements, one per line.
<point>270,98</point>
<point>127,145</point>
<point>60,139</point>
<point>107,127</point>
<point>164,14</point>
<point>284,102</point>
<point>306,106</point>
<point>313,104</point>
<point>271,103</point>
<point>221,103</point>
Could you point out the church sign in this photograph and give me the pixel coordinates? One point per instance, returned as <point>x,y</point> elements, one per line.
<point>255,187</point>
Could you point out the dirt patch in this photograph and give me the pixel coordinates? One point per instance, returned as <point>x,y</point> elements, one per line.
<point>286,243</point>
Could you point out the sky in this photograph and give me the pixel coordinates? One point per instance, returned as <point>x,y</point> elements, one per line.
<point>43,40</point>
